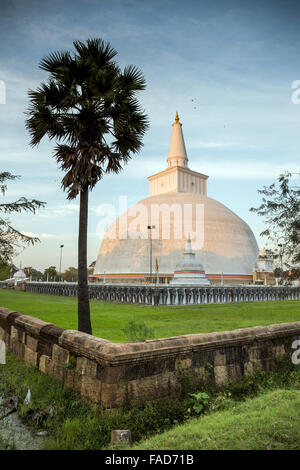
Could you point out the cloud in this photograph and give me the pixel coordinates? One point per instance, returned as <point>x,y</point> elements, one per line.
<point>59,211</point>
<point>33,190</point>
<point>41,235</point>
<point>220,168</point>
<point>247,170</point>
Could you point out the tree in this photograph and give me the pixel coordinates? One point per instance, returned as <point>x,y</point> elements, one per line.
<point>7,270</point>
<point>70,274</point>
<point>281,209</point>
<point>90,109</point>
<point>50,274</point>
<point>12,239</point>
<point>35,274</point>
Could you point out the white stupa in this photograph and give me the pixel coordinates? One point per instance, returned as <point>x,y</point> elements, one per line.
<point>229,249</point>
<point>189,271</point>
<point>19,275</point>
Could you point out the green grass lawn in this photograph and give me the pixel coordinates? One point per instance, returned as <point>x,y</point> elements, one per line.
<point>109,318</point>
<point>269,421</point>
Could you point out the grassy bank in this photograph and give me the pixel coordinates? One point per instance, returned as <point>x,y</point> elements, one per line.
<point>71,423</point>
<point>268,422</point>
<point>109,318</point>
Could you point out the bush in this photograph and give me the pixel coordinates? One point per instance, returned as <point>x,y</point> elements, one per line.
<point>201,401</point>
<point>137,331</point>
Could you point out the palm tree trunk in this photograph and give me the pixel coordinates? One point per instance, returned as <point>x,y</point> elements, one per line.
<point>84,320</point>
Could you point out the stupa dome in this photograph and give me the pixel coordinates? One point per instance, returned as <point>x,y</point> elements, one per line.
<point>19,274</point>
<point>177,206</point>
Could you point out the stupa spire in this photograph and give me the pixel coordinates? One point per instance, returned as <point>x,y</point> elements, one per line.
<point>188,246</point>
<point>177,152</point>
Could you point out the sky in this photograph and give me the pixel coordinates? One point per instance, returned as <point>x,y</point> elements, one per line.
<point>227,67</point>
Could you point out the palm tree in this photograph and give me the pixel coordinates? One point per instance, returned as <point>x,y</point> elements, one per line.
<point>90,109</point>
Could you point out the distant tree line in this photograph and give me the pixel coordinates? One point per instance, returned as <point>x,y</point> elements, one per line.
<point>49,274</point>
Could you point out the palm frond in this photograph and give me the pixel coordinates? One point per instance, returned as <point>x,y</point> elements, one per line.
<point>132,79</point>
<point>96,50</point>
<point>56,62</point>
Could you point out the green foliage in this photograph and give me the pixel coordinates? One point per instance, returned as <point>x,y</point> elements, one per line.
<point>70,274</point>
<point>50,274</point>
<point>201,400</point>
<point>7,444</point>
<point>71,365</point>
<point>12,239</point>
<point>138,331</point>
<point>222,400</point>
<point>35,274</point>
<point>7,270</point>
<point>281,208</point>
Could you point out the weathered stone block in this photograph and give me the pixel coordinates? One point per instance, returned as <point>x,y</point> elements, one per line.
<point>183,363</point>
<point>248,369</point>
<point>57,371</point>
<point>50,333</point>
<point>69,378</point>
<point>138,369</point>
<point>3,334</point>
<point>22,336</point>
<point>234,371</point>
<point>44,364</point>
<point>17,348</point>
<point>254,353</point>
<point>146,388</point>
<point>86,366</point>
<point>257,365</point>
<point>72,380</point>
<point>82,344</point>
<point>49,367</point>
<point>77,379</point>
<point>221,375</point>
<point>32,343</point>
<point>220,359</point>
<point>279,351</point>
<point>268,364</point>
<point>113,395</point>
<point>31,325</point>
<point>5,313</point>
<point>91,388</point>
<point>30,356</point>
<point>200,373</point>
<point>14,333</point>
<point>44,348</point>
<point>122,436</point>
<point>60,355</point>
<point>236,354</point>
<point>202,358</point>
<point>17,334</point>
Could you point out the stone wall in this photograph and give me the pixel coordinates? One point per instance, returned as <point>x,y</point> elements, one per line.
<point>109,373</point>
